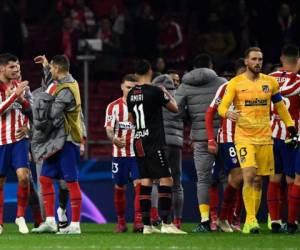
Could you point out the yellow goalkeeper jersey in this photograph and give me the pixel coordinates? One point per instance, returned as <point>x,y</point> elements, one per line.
<point>252,99</point>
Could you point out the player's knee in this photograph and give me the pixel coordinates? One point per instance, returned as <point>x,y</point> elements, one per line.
<point>249,174</point>
<point>297,179</point>
<point>23,180</point>
<point>62,185</point>
<point>236,180</point>
<point>120,186</point>
<point>2,181</point>
<point>257,183</point>
<point>167,181</point>
<point>275,178</point>
<point>146,182</point>
<point>137,182</point>
<point>23,177</point>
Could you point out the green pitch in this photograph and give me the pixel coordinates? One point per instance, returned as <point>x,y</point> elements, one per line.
<point>102,237</point>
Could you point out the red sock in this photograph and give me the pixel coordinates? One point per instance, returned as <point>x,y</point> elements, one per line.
<point>283,200</point>
<point>37,215</point>
<point>228,202</point>
<point>76,199</point>
<point>120,204</point>
<point>154,214</point>
<point>36,209</point>
<point>1,205</point>
<point>22,196</point>
<point>294,203</point>
<point>232,208</point>
<point>137,206</point>
<point>290,186</point>
<point>213,200</point>
<point>239,203</point>
<point>48,195</point>
<point>273,199</point>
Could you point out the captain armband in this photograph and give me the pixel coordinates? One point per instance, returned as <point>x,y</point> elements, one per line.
<point>276,98</point>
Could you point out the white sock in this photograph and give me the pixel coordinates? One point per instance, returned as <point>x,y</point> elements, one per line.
<point>75,223</point>
<point>50,220</point>
<point>61,214</point>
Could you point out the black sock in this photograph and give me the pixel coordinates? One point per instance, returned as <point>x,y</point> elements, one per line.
<point>63,197</point>
<point>145,202</point>
<point>164,203</point>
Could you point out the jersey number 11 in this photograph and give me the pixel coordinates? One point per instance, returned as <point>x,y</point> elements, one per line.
<point>140,117</point>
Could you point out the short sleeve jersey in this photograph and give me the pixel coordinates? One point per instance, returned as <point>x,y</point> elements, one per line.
<point>253,101</point>
<point>287,82</point>
<point>145,103</point>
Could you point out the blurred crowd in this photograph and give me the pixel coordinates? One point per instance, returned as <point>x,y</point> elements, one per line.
<point>158,30</point>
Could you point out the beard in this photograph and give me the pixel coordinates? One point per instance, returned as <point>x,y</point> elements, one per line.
<point>255,70</point>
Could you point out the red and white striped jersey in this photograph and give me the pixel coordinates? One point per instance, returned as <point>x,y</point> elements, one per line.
<point>117,118</point>
<point>289,84</point>
<point>227,127</point>
<point>12,117</point>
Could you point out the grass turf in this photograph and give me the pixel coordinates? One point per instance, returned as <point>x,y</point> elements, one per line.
<point>102,237</point>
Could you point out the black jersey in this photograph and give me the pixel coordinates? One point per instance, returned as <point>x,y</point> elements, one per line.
<point>145,103</point>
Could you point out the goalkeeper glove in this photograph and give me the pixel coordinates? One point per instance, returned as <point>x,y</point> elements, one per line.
<point>292,141</point>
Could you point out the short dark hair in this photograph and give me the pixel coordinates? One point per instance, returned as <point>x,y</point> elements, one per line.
<point>249,50</point>
<point>202,61</point>
<point>5,58</point>
<point>129,78</point>
<point>142,67</point>
<point>62,61</point>
<point>290,50</point>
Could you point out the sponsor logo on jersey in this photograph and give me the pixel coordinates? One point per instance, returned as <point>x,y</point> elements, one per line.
<point>281,80</point>
<point>142,133</point>
<point>256,102</point>
<point>126,125</point>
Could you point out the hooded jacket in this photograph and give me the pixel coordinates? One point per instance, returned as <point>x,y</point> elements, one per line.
<point>173,122</point>
<point>46,142</point>
<point>195,93</point>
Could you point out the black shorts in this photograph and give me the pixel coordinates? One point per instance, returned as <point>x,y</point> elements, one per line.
<point>154,165</point>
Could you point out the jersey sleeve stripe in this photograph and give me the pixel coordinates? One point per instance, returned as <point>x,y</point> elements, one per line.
<point>219,94</point>
<point>291,90</point>
<point>4,105</point>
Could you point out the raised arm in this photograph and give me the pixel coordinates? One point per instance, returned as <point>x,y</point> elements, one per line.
<point>47,77</point>
<point>171,105</point>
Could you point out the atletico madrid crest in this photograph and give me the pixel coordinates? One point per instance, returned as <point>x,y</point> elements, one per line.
<point>265,88</point>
